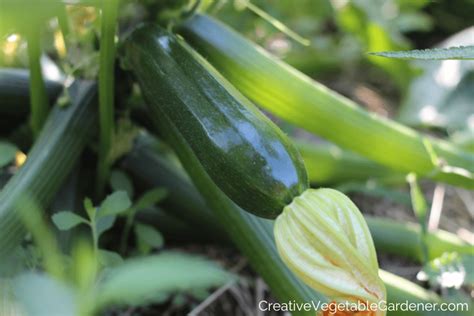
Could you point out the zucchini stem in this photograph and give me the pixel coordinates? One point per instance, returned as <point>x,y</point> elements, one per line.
<point>39,99</point>
<point>106,89</point>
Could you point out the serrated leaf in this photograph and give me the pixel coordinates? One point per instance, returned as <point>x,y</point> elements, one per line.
<point>149,235</point>
<point>114,204</point>
<point>119,181</point>
<point>41,295</point>
<point>109,258</point>
<point>7,153</point>
<point>150,198</point>
<point>66,220</point>
<point>141,280</point>
<point>460,52</point>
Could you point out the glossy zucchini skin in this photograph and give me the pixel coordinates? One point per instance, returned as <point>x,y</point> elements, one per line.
<point>243,152</point>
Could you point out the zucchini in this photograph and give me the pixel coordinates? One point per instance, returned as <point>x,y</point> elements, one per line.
<point>229,147</point>
<point>151,163</point>
<point>242,151</point>
<point>49,162</point>
<point>15,96</point>
<point>15,93</point>
<point>219,218</point>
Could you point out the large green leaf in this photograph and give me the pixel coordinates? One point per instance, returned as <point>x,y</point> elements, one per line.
<point>138,281</point>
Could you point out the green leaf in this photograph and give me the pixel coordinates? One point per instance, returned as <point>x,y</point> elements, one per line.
<point>417,199</point>
<point>141,280</point>
<point>104,223</point>
<point>66,220</point>
<point>109,258</point>
<point>149,235</point>
<point>89,207</point>
<point>7,153</point>
<point>460,52</point>
<point>420,208</point>
<point>150,198</point>
<point>41,295</point>
<point>115,203</point>
<point>119,181</point>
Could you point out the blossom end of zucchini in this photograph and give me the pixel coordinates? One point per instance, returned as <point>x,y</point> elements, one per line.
<point>323,238</point>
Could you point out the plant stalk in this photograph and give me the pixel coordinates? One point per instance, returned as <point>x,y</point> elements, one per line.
<point>106,89</point>
<point>38,95</point>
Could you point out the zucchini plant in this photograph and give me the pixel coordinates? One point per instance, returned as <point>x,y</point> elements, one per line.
<point>128,68</point>
<point>220,135</point>
<point>154,164</point>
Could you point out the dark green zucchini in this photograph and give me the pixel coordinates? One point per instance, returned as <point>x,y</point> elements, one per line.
<point>15,96</point>
<point>242,151</point>
<point>216,215</point>
<point>49,162</point>
<point>15,93</point>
